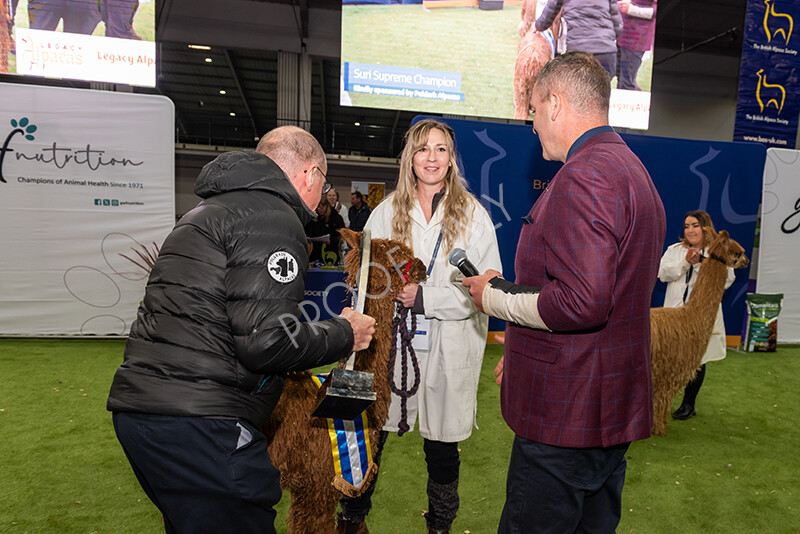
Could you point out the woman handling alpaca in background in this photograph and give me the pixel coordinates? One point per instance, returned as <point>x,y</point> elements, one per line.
<point>679,266</point>
<point>326,223</point>
<point>432,211</point>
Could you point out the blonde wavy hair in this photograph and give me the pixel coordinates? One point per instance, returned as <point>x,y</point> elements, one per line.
<point>457,205</point>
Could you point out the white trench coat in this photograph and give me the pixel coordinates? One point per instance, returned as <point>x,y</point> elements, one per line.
<point>446,401</point>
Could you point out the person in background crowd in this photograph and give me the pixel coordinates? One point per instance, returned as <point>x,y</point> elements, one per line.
<point>359,211</point>
<point>338,207</point>
<point>638,35</point>
<point>432,211</point>
<point>215,333</point>
<point>593,26</point>
<point>326,223</point>
<point>576,385</point>
<point>679,267</point>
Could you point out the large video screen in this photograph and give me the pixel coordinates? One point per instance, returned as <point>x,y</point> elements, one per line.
<point>96,40</point>
<point>477,57</point>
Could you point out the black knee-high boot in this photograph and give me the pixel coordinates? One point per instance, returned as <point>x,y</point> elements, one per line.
<point>686,409</point>
<point>443,463</point>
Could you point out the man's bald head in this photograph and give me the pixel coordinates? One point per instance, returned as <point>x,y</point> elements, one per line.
<point>292,149</point>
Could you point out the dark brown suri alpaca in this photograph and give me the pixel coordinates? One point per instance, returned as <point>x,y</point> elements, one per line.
<point>533,52</point>
<point>5,35</point>
<point>679,336</point>
<point>299,445</point>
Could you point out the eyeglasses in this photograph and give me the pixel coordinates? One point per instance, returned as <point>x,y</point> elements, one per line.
<point>326,186</point>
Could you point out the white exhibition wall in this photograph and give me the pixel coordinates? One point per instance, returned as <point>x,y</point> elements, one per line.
<point>85,178</point>
<point>779,244</point>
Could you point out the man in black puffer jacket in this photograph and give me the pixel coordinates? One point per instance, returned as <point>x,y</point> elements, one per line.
<point>216,330</point>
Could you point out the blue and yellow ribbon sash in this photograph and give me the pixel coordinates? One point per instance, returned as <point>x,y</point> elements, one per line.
<point>352,454</point>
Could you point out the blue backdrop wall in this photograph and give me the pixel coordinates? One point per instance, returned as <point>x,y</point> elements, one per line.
<point>504,167</point>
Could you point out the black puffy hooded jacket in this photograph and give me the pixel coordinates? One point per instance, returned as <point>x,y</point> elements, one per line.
<point>219,323</point>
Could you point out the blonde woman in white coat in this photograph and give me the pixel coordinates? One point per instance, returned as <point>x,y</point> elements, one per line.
<point>432,211</point>
<point>679,267</point>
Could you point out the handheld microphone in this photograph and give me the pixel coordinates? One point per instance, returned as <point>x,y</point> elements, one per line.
<point>458,258</point>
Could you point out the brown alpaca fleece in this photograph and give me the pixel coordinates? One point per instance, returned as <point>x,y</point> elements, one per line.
<point>299,445</point>
<point>533,52</point>
<point>679,336</point>
<point>528,15</point>
<point>5,35</point>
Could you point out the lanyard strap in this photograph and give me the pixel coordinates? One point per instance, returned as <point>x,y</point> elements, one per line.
<point>435,251</point>
<point>688,277</point>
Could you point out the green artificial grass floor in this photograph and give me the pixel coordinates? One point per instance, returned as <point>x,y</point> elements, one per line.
<point>731,469</point>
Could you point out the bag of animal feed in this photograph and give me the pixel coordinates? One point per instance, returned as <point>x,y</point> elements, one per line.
<point>761,328</point>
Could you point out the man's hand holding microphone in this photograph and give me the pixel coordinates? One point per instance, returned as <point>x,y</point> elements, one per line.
<point>474,281</point>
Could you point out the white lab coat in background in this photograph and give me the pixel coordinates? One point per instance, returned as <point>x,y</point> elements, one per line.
<point>446,401</point>
<point>672,270</point>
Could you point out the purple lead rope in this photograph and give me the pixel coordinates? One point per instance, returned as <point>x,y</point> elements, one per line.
<point>400,326</point>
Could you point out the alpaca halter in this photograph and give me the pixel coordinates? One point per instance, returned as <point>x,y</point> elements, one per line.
<point>406,270</point>
<point>400,326</point>
<point>715,257</point>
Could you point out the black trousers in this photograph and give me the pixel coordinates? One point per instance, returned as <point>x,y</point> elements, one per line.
<point>560,490</point>
<point>693,387</point>
<point>204,475</point>
<point>443,463</point>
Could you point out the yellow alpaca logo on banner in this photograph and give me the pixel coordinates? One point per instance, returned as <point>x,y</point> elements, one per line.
<point>775,19</point>
<point>771,88</point>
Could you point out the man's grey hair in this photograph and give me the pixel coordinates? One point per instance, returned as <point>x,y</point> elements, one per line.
<point>292,148</point>
<point>580,78</point>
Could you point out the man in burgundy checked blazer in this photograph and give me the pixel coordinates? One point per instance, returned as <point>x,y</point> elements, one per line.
<point>576,388</point>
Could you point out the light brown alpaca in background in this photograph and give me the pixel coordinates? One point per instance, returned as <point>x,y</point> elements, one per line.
<point>5,35</point>
<point>679,336</point>
<point>528,17</point>
<point>299,444</point>
<point>533,52</point>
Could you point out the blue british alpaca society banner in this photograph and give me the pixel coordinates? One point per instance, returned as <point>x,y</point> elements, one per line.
<point>769,78</point>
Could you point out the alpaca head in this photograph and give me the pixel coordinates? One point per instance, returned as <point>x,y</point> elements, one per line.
<point>392,265</point>
<point>725,249</point>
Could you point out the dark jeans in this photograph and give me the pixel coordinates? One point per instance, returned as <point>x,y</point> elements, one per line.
<point>204,475</point>
<point>629,63</point>
<point>118,16</point>
<point>609,62</point>
<point>80,16</point>
<point>559,490</point>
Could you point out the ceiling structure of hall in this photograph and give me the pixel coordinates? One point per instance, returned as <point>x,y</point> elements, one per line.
<point>227,96</point>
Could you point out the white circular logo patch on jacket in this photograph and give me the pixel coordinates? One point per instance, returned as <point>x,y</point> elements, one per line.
<point>282,267</point>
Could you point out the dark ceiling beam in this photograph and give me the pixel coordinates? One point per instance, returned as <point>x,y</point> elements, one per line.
<point>731,33</point>
<point>391,134</point>
<point>664,9</point>
<point>303,19</point>
<point>239,87</point>
<point>162,15</point>
<point>322,78</point>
